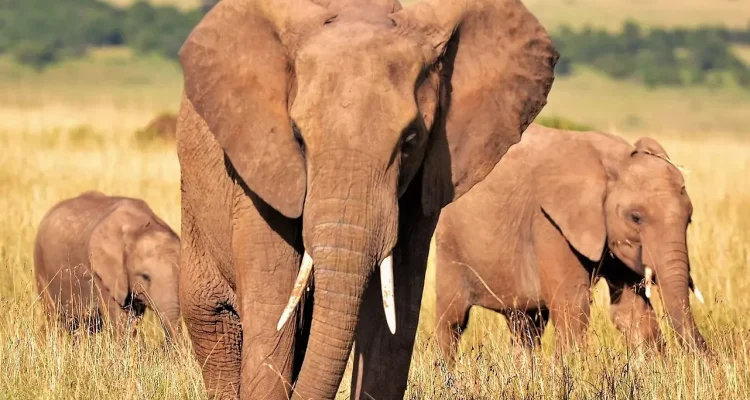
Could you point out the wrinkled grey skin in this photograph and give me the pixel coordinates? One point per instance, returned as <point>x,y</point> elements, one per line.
<point>99,258</point>
<point>559,211</point>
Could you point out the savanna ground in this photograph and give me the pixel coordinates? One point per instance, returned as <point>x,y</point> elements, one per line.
<point>71,128</point>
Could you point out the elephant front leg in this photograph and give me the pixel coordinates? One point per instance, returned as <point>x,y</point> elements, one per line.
<point>382,359</point>
<point>566,285</point>
<point>633,315</point>
<point>267,260</point>
<point>208,307</point>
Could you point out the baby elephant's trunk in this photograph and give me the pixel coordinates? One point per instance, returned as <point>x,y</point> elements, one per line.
<point>166,305</point>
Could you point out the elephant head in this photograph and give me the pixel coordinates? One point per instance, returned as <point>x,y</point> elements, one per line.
<point>635,205</point>
<point>330,110</point>
<point>134,257</point>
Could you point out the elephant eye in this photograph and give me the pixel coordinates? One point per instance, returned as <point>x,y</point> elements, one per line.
<point>636,217</point>
<point>409,142</point>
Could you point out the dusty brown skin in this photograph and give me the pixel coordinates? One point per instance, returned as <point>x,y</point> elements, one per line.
<point>339,129</point>
<point>100,259</point>
<point>559,211</point>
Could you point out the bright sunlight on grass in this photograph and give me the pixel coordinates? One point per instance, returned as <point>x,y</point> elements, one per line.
<point>71,128</point>
<point>38,168</point>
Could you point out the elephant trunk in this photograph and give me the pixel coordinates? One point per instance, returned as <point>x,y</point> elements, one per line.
<point>350,226</point>
<point>171,323</point>
<point>166,305</point>
<point>673,273</point>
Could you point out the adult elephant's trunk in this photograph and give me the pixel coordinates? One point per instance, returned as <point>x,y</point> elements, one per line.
<point>670,260</point>
<point>349,227</point>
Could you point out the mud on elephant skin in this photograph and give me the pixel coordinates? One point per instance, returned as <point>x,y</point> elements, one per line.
<point>100,259</point>
<point>329,134</point>
<point>559,211</point>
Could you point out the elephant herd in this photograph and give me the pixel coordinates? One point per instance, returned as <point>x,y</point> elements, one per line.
<point>322,141</point>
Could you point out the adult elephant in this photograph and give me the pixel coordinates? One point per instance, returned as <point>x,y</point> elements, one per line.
<point>101,258</point>
<point>559,211</point>
<point>334,132</point>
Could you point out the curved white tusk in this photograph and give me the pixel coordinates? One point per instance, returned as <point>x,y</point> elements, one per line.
<point>649,276</point>
<point>696,291</point>
<point>698,294</point>
<point>299,286</point>
<point>386,288</point>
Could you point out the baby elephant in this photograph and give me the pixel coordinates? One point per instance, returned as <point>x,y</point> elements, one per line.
<point>559,211</point>
<point>99,258</point>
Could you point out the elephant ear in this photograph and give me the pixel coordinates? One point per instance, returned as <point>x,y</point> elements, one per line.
<point>107,245</point>
<point>237,76</point>
<point>650,146</point>
<point>570,184</point>
<point>496,63</point>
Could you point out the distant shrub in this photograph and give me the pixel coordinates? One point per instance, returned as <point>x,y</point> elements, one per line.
<point>557,122</point>
<point>162,128</point>
<point>36,54</point>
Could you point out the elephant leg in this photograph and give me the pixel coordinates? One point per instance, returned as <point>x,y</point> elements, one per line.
<point>569,310</point>
<point>633,315</point>
<point>452,313</point>
<point>382,359</point>
<point>566,285</point>
<point>208,308</point>
<point>527,327</point>
<point>267,263</point>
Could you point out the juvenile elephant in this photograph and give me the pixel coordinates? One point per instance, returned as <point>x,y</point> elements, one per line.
<point>560,210</point>
<point>329,134</point>
<point>99,258</point>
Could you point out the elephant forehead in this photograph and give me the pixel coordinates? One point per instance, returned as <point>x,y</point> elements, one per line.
<point>653,173</point>
<point>353,91</point>
<point>158,245</point>
<point>360,51</point>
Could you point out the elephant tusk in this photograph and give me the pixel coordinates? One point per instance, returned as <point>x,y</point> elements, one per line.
<point>648,278</point>
<point>299,286</point>
<point>696,291</point>
<point>698,295</point>
<point>386,288</point>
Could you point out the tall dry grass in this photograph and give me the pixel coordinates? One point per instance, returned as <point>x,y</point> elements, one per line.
<point>39,168</point>
<point>71,129</point>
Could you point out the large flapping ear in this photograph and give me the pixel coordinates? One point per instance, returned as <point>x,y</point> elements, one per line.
<point>570,184</point>
<point>107,244</point>
<point>497,63</point>
<point>237,77</point>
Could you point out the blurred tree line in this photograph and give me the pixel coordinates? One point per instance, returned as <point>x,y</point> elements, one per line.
<point>656,56</point>
<point>41,32</point>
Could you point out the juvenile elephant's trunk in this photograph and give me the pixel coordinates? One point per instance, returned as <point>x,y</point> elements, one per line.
<point>166,305</point>
<point>672,273</point>
<point>349,225</point>
<point>171,323</point>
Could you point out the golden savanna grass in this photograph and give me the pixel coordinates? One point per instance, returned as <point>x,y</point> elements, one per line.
<point>71,128</point>
<point>38,168</point>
